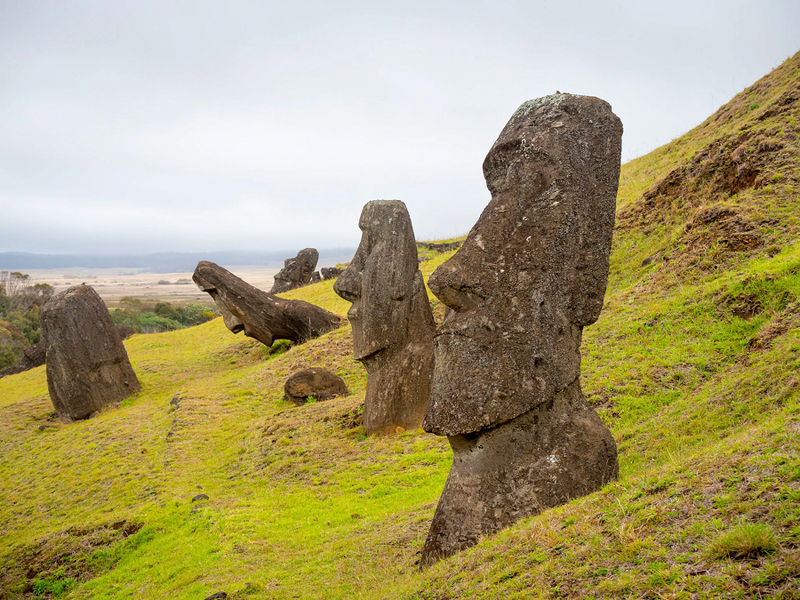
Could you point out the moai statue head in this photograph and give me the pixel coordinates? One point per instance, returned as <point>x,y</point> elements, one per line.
<point>380,279</point>
<point>392,321</point>
<point>532,271</point>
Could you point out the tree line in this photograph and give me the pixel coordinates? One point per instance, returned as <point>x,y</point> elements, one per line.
<point>21,301</point>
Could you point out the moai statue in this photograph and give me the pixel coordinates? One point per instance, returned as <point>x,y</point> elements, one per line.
<point>391,316</point>
<point>261,316</point>
<point>530,276</point>
<point>87,365</point>
<point>296,272</point>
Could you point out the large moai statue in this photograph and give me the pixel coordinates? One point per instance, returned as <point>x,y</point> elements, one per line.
<point>530,276</point>
<point>392,321</point>
<point>296,272</point>
<point>260,315</point>
<point>87,365</point>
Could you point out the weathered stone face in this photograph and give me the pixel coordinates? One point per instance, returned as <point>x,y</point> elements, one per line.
<point>296,272</point>
<point>532,271</point>
<point>391,318</point>
<point>258,314</point>
<point>380,278</point>
<point>530,275</point>
<point>87,365</point>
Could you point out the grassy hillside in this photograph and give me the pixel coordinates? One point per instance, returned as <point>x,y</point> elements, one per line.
<point>693,364</point>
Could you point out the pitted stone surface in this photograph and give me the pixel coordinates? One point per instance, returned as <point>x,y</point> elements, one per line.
<point>530,276</point>
<point>391,317</point>
<point>314,382</point>
<point>258,314</point>
<point>87,365</point>
<point>296,272</point>
<point>532,271</point>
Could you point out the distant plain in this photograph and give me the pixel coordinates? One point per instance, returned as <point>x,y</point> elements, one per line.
<point>114,284</point>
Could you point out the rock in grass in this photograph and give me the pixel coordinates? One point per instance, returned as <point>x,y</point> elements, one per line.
<point>330,272</point>
<point>217,596</point>
<point>530,276</point>
<point>258,314</point>
<point>392,321</point>
<point>200,497</point>
<point>87,365</point>
<point>296,272</point>
<point>314,382</point>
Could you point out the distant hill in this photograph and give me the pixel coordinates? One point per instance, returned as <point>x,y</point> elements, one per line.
<point>162,262</point>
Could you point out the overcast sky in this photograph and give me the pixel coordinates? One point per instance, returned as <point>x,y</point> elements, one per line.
<point>145,126</point>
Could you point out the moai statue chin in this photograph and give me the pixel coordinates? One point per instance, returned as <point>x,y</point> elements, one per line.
<point>530,276</point>
<point>391,317</point>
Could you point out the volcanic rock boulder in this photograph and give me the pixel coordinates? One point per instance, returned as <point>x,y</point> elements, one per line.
<point>260,315</point>
<point>296,272</point>
<point>330,272</point>
<point>392,321</point>
<point>87,365</point>
<point>530,276</point>
<point>314,382</point>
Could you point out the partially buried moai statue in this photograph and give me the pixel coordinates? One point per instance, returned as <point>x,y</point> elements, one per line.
<point>87,365</point>
<point>530,276</point>
<point>391,316</point>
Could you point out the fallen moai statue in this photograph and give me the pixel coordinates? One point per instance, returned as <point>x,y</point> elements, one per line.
<point>530,276</point>
<point>391,316</point>
<point>87,365</point>
<point>314,382</point>
<point>33,356</point>
<point>296,272</point>
<point>258,314</point>
<point>330,272</point>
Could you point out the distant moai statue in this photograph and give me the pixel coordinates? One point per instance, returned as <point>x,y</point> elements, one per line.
<point>87,365</point>
<point>530,276</point>
<point>296,272</point>
<point>391,316</point>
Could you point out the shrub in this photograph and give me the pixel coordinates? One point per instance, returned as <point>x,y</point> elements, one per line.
<point>124,316</point>
<point>745,540</point>
<point>193,313</point>
<point>153,323</point>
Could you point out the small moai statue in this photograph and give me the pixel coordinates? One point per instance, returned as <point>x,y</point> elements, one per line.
<point>530,276</point>
<point>391,316</point>
<point>87,365</point>
<point>297,271</point>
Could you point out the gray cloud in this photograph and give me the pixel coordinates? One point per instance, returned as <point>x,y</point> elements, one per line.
<point>151,126</point>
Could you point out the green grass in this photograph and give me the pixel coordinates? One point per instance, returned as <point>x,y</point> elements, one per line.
<point>693,364</point>
<point>746,540</point>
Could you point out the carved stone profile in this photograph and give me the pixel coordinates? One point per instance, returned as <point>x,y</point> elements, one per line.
<point>391,317</point>
<point>530,276</point>
<point>258,314</point>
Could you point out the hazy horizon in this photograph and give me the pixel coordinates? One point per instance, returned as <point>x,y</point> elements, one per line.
<point>142,127</point>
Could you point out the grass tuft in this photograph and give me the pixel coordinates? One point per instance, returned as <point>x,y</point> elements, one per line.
<point>746,540</point>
